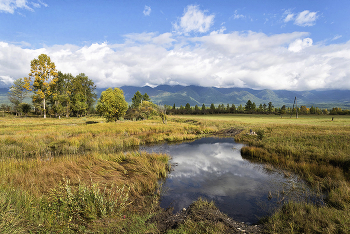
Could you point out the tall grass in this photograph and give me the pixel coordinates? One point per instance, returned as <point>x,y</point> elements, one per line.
<point>38,157</point>
<point>45,138</point>
<point>39,198</point>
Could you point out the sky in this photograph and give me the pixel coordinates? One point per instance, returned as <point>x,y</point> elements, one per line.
<point>271,44</point>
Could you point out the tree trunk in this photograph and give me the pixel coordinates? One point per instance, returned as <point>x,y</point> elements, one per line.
<point>67,114</point>
<point>44,109</point>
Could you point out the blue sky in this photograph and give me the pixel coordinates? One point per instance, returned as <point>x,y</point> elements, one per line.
<point>273,44</point>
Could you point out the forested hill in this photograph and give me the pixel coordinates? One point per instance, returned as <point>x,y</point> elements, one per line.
<point>197,95</point>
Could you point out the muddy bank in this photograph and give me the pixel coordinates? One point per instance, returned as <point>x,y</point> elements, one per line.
<point>202,212</point>
<point>228,132</point>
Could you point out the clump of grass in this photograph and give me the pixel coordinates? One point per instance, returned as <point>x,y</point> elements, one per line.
<point>260,133</point>
<point>306,218</point>
<point>76,206</point>
<point>203,217</point>
<point>10,219</point>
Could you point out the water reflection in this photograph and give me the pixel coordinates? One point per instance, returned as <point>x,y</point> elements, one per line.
<point>213,168</point>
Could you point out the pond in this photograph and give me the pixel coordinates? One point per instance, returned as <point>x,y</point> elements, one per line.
<point>213,168</point>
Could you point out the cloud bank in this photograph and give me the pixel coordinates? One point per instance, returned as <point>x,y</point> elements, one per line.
<point>255,60</point>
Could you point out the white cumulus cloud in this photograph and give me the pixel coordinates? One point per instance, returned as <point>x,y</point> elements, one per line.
<point>147,11</point>
<point>194,20</point>
<point>306,18</point>
<point>235,59</point>
<point>9,6</point>
<point>300,44</point>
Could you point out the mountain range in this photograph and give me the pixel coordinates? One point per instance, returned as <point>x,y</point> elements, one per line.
<point>198,95</point>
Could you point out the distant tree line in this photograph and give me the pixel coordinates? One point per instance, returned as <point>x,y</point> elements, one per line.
<point>251,108</point>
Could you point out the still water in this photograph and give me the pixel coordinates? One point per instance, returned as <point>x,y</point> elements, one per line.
<point>213,168</point>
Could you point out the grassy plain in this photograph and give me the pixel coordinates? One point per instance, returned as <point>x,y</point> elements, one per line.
<point>73,175</point>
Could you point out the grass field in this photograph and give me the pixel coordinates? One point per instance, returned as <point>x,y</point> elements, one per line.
<point>73,175</point>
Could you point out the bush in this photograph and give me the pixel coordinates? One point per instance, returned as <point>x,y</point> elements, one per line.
<point>260,133</point>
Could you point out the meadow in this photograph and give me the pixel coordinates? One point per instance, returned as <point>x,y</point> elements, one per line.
<point>82,175</point>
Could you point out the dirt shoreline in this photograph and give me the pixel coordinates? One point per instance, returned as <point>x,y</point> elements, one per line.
<point>228,132</point>
<point>204,213</point>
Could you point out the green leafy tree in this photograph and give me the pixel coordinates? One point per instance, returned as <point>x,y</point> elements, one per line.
<point>145,97</point>
<point>18,91</point>
<point>204,110</point>
<point>136,100</point>
<point>24,108</point>
<point>44,74</point>
<point>60,94</point>
<point>303,110</point>
<point>66,94</point>
<point>248,106</point>
<point>312,110</point>
<point>270,107</point>
<point>253,106</point>
<point>233,108</point>
<point>240,108</point>
<point>82,94</point>
<point>4,108</point>
<point>212,108</point>
<point>264,107</point>
<point>112,104</point>
<point>318,111</point>
<point>283,110</point>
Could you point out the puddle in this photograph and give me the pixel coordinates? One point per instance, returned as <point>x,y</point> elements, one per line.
<point>213,168</point>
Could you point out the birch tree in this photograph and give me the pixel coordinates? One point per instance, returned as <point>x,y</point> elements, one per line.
<point>44,74</point>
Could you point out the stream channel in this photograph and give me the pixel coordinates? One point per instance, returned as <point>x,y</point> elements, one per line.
<point>213,169</point>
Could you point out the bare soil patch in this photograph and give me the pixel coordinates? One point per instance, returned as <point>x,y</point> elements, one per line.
<point>229,132</point>
<point>201,212</point>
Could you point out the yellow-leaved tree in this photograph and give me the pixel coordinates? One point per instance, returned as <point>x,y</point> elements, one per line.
<point>44,75</point>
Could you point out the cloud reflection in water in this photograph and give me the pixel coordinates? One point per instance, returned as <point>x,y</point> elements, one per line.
<point>213,168</point>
